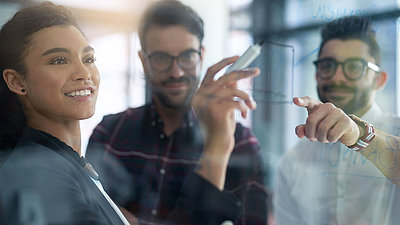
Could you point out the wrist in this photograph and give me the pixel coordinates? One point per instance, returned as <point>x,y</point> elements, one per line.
<point>219,144</point>
<point>361,130</point>
<point>217,153</point>
<point>366,134</point>
<point>213,168</point>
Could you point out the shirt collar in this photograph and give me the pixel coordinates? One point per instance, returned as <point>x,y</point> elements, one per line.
<point>30,134</point>
<point>155,118</point>
<point>189,118</point>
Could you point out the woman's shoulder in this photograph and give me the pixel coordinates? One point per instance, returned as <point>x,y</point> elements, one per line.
<point>44,179</point>
<point>34,166</point>
<point>30,154</point>
<point>32,162</point>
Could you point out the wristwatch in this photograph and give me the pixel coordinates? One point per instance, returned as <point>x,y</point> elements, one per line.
<point>369,135</point>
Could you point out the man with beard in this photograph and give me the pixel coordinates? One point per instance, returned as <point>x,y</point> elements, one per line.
<point>341,179</point>
<point>144,155</point>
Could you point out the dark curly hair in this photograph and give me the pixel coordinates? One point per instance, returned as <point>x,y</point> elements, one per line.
<point>168,13</point>
<point>352,27</point>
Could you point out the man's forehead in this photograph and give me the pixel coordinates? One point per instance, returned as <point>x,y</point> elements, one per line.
<point>344,49</point>
<point>172,39</point>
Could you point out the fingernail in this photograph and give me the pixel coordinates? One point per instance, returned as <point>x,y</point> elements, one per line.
<point>301,101</point>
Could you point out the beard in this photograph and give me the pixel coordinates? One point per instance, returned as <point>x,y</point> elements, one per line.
<point>359,102</point>
<point>166,99</point>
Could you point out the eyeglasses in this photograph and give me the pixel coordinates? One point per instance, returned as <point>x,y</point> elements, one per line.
<point>353,68</point>
<point>162,61</point>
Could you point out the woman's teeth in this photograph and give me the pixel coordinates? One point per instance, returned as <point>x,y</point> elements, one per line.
<point>79,93</point>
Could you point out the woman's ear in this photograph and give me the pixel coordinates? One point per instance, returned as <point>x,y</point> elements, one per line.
<point>14,81</point>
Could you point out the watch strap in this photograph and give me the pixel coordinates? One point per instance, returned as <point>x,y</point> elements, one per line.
<point>369,135</point>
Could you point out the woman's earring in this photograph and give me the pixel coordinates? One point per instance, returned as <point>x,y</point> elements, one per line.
<point>23,90</point>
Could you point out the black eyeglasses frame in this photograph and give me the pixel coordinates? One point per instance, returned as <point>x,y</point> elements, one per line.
<point>370,65</point>
<point>173,58</point>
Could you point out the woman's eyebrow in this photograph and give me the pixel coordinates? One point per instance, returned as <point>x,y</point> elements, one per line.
<point>88,49</point>
<point>55,50</point>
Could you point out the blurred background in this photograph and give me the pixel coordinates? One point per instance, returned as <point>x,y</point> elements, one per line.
<point>291,30</point>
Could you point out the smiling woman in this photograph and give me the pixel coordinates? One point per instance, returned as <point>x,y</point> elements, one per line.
<point>49,83</point>
<point>61,82</point>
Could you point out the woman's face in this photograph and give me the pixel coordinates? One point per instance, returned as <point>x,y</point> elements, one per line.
<point>62,79</point>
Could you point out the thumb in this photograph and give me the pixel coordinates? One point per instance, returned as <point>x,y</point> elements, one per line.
<point>300,131</point>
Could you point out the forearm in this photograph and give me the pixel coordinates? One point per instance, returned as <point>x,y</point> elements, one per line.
<point>383,152</point>
<point>212,167</point>
<point>327,123</point>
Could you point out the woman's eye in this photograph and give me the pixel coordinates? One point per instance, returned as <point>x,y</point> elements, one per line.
<point>91,59</point>
<point>58,61</point>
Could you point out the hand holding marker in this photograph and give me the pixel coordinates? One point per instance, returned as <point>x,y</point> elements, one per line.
<point>248,57</point>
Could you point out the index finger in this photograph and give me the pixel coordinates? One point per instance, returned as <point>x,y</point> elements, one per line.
<point>306,102</point>
<point>217,67</point>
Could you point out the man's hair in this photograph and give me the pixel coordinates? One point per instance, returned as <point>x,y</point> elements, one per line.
<point>352,27</point>
<point>169,13</point>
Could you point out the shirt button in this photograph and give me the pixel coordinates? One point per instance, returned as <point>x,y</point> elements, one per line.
<point>153,123</point>
<point>227,222</point>
<point>154,212</point>
<point>190,124</point>
<point>162,171</point>
<point>162,136</point>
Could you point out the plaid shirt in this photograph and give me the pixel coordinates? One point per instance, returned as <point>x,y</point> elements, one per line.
<point>143,169</point>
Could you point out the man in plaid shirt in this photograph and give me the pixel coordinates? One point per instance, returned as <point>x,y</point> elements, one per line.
<point>144,155</point>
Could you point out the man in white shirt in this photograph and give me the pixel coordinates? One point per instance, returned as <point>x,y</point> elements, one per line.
<point>342,179</point>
